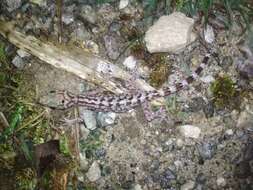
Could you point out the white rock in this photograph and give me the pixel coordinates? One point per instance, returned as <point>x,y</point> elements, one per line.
<point>84,132</point>
<point>83,161</point>
<point>13,4</point>
<point>179,143</point>
<point>170,33</point>
<point>245,119</point>
<point>22,53</point>
<point>130,62</point>
<point>209,34</point>
<point>188,186</point>
<point>94,172</point>
<point>190,131</point>
<point>18,62</point>
<point>89,118</point>
<point>106,118</point>
<point>178,164</point>
<point>137,187</point>
<point>207,79</point>
<point>123,4</point>
<point>229,132</point>
<point>221,181</point>
<point>41,3</point>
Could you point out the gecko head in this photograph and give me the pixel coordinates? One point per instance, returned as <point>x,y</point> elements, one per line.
<point>57,99</point>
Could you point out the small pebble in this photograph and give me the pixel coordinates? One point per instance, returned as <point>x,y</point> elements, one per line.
<point>190,131</point>
<point>137,187</point>
<point>89,118</point>
<point>209,34</point>
<point>206,150</point>
<point>94,172</point>
<point>221,181</point>
<point>180,143</point>
<point>130,62</point>
<point>207,79</point>
<point>23,53</point>
<point>229,132</point>
<point>188,185</point>
<point>83,161</point>
<point>123,4</point>
<point>18,62</point>
<point>166,177</point>
<point>106,119</point>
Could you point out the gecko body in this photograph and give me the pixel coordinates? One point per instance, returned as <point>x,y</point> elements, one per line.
<point>125,101</point>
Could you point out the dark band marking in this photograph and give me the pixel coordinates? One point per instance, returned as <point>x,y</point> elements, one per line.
<point>198,70</point>
<point>179,86</point>
<point>189,79</point>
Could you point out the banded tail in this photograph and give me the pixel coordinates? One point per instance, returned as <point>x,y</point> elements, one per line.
<point>179,86</point>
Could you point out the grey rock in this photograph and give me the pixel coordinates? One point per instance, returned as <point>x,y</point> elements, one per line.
<point>197,104</point>
<point>100,153</point>
<point>112,46</point>
<point>83,161</point>
<point>84,132</point>
<point>80,33</point>
<point>209,34</point>
<point>190,131</point>
<point>107,14</point>
<point>89,118</point>
<point>23,53</point>
<point>123,4</point>
<point>137,187</point>
<point>41,3</point>
<point>209,109</point>
<point>106,119</point>
<point>94,172</point>
<point>226,62</point>
<point>207,79</point>
<point>206,150</point>
<point>13,4</point>
<point>245,69</point>
<point>115,27</point>
<point>221,182</point>
<point>188,185</point>
<point>130,62</point>
<point>166,177</point>
<point>88,14</point>
<point>245,119</point>
<point>170,33</point>
<point>68,15</point>
<point>18,62</point>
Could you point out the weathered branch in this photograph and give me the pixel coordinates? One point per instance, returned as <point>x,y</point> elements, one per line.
<point>74,60</point>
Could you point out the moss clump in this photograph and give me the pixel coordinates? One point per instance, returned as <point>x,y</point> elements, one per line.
<point>160,70</point>
<point>138,50</point>
<point>130,33</point>
<point>224,93</point>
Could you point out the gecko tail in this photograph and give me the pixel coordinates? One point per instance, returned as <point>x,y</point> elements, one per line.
<point>187,81</point>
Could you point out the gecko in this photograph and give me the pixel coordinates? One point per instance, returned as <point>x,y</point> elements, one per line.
<point>120,103</point>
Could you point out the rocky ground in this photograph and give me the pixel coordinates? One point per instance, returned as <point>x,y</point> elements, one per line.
<point>208,141</point>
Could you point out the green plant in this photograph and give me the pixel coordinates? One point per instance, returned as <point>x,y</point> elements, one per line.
<point>230,8</point>
<point>14,123</point>
<point>224,93</point>
<point>3,56</point>
<point>104,1</point>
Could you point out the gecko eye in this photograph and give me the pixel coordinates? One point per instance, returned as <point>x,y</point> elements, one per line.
<point>63,101</point>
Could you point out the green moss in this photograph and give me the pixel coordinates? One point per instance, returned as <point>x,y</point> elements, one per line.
<point>224,92</point>
<point>91,144</point>
<point>3,57</point>
<point>138,50</point>
<point>160,69</point>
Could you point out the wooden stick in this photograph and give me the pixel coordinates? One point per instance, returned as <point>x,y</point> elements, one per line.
<point>71,59</point>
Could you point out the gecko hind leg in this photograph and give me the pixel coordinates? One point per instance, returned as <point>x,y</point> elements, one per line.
<point>150,115</point>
